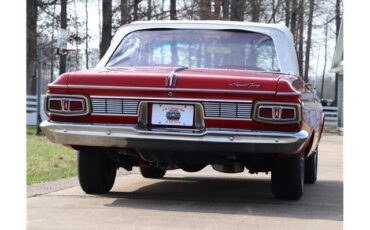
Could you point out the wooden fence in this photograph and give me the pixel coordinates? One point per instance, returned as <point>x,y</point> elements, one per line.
<point>331,115</point>
<point>31,109</point>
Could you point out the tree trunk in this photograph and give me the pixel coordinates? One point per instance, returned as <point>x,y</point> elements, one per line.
<point>107,27</point>
<point>256,8</point>
<point>87,36</point>
<point>287,12</point>
<point>77,55</point>
<point>163,14</point>
<point>192,6</point>
<point>205,9</point>
<point>52,49</point>
<point>325,58</point>
<point>226,9</point>
<point>136,8</point>
<point>300,36</point>
<point>31,45</point>
<point>63,25</point>
<point>337,17</point>
<point>293,20</point>
<point>217,9</point>
<point>237,10</point>
<point>149,13</point>
<point>124,12</point>
<point>274,10</point>
<point>173,15</point>
<point>308,44</point>
<point>99,15</point>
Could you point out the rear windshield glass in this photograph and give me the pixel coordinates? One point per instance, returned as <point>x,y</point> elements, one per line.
<point>196,49</point>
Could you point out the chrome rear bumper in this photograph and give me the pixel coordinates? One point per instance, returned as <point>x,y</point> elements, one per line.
<point>210,140</point>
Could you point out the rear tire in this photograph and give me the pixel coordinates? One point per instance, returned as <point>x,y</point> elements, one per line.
<point>287,177</point>
<point>96,172</point>
<point>152,172</point>
<point>310,175</point>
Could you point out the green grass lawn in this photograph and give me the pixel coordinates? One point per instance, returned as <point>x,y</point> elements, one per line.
<point>330,129</point>
<point>47,161</point>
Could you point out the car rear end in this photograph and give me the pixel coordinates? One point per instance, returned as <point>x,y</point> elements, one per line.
<point>161,117</point>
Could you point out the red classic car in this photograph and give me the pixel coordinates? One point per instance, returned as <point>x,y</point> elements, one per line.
<point>180,94</point>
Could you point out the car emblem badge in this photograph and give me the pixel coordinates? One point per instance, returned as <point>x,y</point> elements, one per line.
<point>65,103</point>
<point>276,112</point>
<point>246,85</point>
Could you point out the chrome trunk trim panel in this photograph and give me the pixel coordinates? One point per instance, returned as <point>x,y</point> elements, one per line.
<point>211,108</point>
<point>114,106</point>
<point>228,110</point>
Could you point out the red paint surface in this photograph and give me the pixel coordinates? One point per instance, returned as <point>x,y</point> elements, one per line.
<point>188,79</point>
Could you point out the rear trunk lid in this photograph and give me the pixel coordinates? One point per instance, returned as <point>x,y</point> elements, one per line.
<point>193,81</point>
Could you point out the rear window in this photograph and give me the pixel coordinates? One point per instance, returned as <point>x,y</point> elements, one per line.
<point>197,49</point>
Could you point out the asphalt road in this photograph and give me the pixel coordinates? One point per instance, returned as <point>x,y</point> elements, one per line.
<point>203,200</point>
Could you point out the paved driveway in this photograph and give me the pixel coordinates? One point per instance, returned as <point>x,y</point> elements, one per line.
<point>203,200</point>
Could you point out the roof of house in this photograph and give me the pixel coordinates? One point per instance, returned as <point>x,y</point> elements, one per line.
<point>337,63</point>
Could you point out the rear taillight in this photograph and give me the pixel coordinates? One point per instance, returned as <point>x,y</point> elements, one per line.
<point>76,105</point>
<point>55,104</point>
<point>66,105</point>
<point>279,113</point>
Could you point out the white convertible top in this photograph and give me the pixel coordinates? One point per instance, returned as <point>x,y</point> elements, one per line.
<point>280,34</point>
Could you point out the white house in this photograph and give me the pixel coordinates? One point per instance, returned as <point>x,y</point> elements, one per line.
<point>337,67</point>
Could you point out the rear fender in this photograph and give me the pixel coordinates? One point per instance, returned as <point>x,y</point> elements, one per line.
<point>308,148</point>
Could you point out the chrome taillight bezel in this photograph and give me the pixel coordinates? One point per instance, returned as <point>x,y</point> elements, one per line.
<point>66,112</point>
<point>283,105</point>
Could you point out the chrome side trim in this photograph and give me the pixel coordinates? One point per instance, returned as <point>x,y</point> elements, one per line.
<point>114,115</point>
<point>51,85</point>
<point>112,87</point>
<point>288,93</point>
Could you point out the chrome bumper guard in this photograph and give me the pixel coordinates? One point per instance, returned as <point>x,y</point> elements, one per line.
<point>209,140</point>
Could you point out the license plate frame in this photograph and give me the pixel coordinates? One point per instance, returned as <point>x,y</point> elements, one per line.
<point>178,115</point>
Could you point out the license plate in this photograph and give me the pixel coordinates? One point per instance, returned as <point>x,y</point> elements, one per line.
<point>172,115</point>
